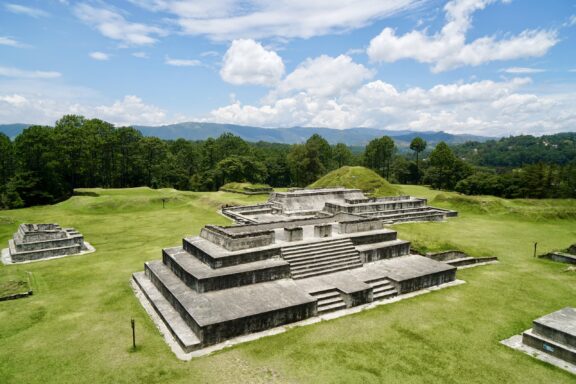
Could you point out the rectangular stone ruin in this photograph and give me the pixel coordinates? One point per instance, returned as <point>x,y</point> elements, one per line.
<point>236,280</point>
<point>552,338</point>
<point>460,259</point>
<point>285,206</point>
<point>42,241</point>
<point>568,256</point>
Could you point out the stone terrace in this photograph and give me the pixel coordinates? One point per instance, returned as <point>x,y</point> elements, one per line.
<point>40,241</point>
<point>236,280</point>
<point>286,206</point>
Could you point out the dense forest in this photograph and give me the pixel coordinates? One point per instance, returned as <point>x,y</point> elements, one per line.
<point>44,164</point>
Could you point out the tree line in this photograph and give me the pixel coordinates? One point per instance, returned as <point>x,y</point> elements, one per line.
<point>43,164</point>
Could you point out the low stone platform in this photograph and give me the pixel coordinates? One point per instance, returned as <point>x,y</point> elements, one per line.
<point>35,242</point>
<point>552,339</point>
<point>460,259</point>
<point>561,257</point>
<point>309,203</point>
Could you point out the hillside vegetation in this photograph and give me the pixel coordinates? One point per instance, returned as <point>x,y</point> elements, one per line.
<point>358,178</point>
<point>76,326</point>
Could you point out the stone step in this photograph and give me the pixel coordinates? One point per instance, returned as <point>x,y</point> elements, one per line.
<point>385,294</point>
<point>313,267</point>
<point>325,271</point>
<point>169,316</point>
<point>382,288</point>
<point>326,294</point>
<point>308,251</point>
<point>328,256</point>
<point>316,244</point>
<point>314,254</point>
<point>315,247</point>
<point>326,302</point>
<point>331,307</point>
<point>333,261</point>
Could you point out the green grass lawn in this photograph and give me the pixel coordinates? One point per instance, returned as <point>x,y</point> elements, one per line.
<point>76,326</point>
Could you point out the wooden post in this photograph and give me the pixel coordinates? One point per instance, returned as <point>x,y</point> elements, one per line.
<point>132,322</point>
<point>535,248</point>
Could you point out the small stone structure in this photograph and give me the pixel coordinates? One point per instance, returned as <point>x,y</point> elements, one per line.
<point>236,280</point>
<point>569,256</point>
<point>42,241</point>
<point>300,203</point>
<point>552,338</point>
<point>460,259</point>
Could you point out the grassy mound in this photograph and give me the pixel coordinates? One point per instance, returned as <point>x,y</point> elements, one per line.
<point>247,188</point>
<point>358,178</point>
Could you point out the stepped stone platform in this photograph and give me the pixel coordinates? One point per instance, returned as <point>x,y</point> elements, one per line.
<point>552,338</point>
<point>237,280</point>
<point>569,256</point>
<point>33,242</point>
<point>287,206</point>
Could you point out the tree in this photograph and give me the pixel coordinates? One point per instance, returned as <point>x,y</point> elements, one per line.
<point>418,145</point>
<point>318,145</point>
<point>378,155</point>
<point>6,160</point>
<point>342,155</point>
<point>240,169</point>
<point>445,168</point>
<point>153,152</point>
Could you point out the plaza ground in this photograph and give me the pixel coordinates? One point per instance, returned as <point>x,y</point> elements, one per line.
<point>76,326</point>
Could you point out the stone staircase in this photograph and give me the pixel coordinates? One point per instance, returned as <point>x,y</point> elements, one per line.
<point>329,300</point>
<point>382,289</point>
<point>320,258</point>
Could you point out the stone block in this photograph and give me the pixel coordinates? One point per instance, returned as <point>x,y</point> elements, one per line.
<point>323,230</point>
<point>293,234</point>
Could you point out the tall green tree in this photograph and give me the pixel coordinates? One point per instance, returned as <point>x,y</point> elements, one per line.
<point>445,169</point>
<point>342,155</point>
<point>379,154</point>
<point>418,145</point>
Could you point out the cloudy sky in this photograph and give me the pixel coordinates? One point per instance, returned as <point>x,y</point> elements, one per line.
<point>490,67</point>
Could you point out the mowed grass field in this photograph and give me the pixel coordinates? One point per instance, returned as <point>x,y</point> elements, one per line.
<point>76,326</point>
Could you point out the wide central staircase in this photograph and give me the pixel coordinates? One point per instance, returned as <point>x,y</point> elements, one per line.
<point>320,258</point>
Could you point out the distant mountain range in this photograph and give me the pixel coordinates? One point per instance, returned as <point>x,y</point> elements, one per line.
<point>351,136</point>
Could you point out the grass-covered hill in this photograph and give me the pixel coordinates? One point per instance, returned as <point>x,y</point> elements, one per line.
<point>359,178</point>
<point>76,326</point>
<point>246,188</point>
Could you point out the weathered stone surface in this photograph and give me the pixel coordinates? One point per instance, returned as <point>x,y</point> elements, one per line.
<point>40,241</point>
<point>245,278</point>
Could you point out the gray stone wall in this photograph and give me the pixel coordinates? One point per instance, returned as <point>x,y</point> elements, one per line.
<point>323,230</point>
<point>293,234</point>
<point>237,242</point>
<point>424,282</point>
<point>388,252</point>
<point>360,225</point>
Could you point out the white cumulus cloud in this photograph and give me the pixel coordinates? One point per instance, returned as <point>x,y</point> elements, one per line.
<point>101,56</point>
<point>182,62</point>
<point>484,107</point>
<point>114,26</point>
<point>15,100</point>
<point>448,48</point>
<point>25,74</point>
<point>27,11</point>
<point>523,70</point>
<point>325,76</point>
<point>10,42</point>
<point>257,19</point>
<point>248,62</point>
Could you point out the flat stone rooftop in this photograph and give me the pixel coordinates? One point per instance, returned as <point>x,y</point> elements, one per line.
<point>563,321</point>
<point>230,304</point>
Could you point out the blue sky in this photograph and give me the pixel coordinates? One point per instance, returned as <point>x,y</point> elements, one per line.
<point>491,67</point>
